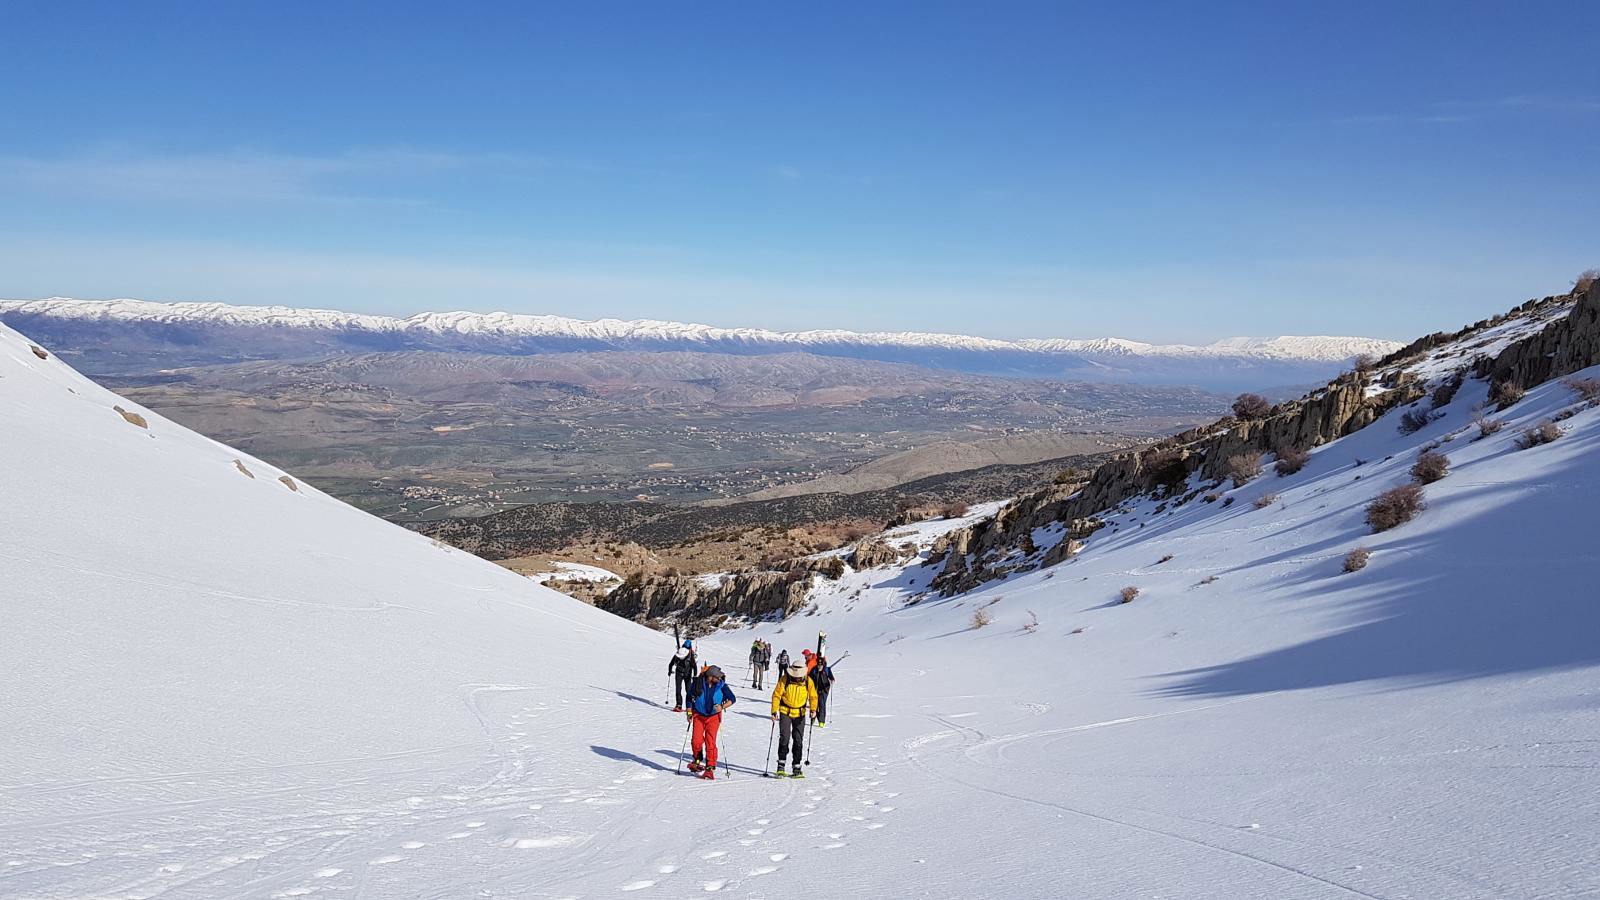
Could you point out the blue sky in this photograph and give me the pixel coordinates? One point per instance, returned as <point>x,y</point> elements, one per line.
<point>1179,171</point>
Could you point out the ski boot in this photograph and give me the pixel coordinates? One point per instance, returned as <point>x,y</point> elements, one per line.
<point>780,773</point>
<point>696,765</point>
<point>709,774</point>
<point>798,773</point>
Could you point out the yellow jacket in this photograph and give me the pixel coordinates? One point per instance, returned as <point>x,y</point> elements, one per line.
<point>792,698</point>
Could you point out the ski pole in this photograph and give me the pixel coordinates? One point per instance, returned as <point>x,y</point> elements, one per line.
<point>766,767</point>
<point>811,733</point>
<point>726,772</point>
<point>685,747</point>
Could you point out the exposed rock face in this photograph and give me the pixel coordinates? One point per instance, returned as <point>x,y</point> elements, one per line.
<point>994,548</point>
<point>871,553</point>
<point>749,594</point>
<point>1563,347</point>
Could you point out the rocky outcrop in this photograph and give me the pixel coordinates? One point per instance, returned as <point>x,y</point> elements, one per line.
<point>871,553</point>
<point>1564,346</point>
<point>994,548</point>
<point>753,595</point>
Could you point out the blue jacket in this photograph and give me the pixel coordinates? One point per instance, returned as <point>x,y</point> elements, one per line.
<point>704,700</point>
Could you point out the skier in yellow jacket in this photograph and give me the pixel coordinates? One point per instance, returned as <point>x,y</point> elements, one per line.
<point>794,698</point>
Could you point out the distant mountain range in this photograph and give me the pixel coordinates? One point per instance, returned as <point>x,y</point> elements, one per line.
<point>119,336</point>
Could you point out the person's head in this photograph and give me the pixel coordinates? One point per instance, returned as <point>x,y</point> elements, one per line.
<point>796,670</point>
<point>806,653</point>
<point>688,645</point>
<point>714,674</point>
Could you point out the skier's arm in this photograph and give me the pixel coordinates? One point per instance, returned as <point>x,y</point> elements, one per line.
<point>777,692</point>
<point>811,696</point>
<point>731,699</point>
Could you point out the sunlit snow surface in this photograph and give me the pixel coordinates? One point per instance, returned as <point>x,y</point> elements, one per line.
<point>216,686</point>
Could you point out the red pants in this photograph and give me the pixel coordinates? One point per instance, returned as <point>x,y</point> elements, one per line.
<point>705,738</point>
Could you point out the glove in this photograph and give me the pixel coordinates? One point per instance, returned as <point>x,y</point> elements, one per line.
<point>774,717</point>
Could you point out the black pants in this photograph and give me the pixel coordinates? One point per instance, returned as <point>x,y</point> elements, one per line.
<point>683,688</point>
<point>791,732</point>
<point>822,705</point>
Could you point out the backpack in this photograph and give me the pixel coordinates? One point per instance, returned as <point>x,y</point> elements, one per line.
<point>823,676</point>
<point>783,660</point>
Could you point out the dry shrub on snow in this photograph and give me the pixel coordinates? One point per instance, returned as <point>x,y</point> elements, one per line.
<point>239,464</point>
<point>1128,593</point>
<point>1415,420</point>
<point>1290,461</point>
<point>1242,468</point>
<point>1265,500</point>
<point>981,617</point>
<point>289,483</point>
<point>1486,425</point>
<point>132,418</point>
<point>1585,281</point>
<point>38,351</point>
<point>1586,388</point>
<point>1431,465</point>
<point>1542,433</point>
<point>1356,559</point>
<point>1505,394</point>
<point>1251,406</point>
<point>1364,363</point>
<point>1395,507</point>
<point>954,510</point>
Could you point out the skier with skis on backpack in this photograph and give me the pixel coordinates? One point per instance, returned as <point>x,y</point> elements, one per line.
<point>793,698</point>
<point>709,695</point>
<point>783,661</point>
<point>682,668</point>
<point>822,677</point>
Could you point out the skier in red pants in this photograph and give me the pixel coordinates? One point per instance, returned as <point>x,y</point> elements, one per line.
<point>709,695</point>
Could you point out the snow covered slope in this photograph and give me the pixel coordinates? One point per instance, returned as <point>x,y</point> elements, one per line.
<point>217,686</point>
<point>1257,722</point>
<point>216,331</point>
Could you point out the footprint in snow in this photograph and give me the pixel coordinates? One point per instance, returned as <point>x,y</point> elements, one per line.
<point>756,831</point>
<point>778,857</point>
<point>327,873</point>
<point>764,870</point>
<point>638,885</point>
<point>458,836</point>
<point>714,854</point>
<point>875,825</point>
<point>474,824</point>
<point>412,845</point>
<point>763,821</point>
<point>833,846</point>
<point>384,860</point>
<point>717,885</point>
<point>667,869</point>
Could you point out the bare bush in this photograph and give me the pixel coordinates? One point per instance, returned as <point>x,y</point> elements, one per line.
<point>1356,559</point>
<point>981,617</point>
<point>1395,507</point>
<point>237,464</point>
<point>1265,500</point>
<point>1586,388</point>
<point>1212,497</point>
<point>1290,461</point>
<point>954,510</point>
<point>1209,579</point>
<point>1542,433</point>
<point>1415,420</point>
<point>1068,476</point>
<point>1486,425</point>
<point>1505,393</point>
<point>1446,391</point>
<point>132,418</point>
<point>1128,593</point>
<point>1364,363</point>
<point>289,483</point>
<point>1033,622</point>
<point>1164,559</point>
<point>1242,468</point>
<point>38,351</point>
<point>1431,465</point>
<point>1585,281</point>
<point>1251,406</point>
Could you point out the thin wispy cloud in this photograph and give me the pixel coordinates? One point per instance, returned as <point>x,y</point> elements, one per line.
<point>1453,112</point>
<point>254,176</point>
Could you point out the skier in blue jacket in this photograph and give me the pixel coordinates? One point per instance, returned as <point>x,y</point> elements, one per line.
<point>709,695</point>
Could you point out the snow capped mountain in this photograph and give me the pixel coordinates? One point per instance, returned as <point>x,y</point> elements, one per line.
<point>219,332</point>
